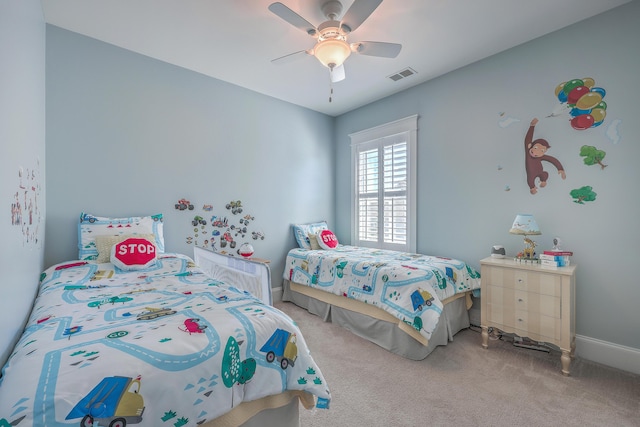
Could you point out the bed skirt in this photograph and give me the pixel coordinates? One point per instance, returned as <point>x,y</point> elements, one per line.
<point>378,326</point>
<point>281,410</point>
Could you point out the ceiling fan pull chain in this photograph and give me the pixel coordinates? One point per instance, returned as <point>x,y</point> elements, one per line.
<point>330,85</point>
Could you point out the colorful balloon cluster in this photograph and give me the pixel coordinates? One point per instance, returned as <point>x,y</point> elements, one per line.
<point>587,107</point>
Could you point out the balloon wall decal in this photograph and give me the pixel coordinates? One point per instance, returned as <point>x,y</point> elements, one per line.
<point>588,109</point>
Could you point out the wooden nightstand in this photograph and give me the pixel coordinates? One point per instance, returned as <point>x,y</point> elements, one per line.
<point>530,301</point>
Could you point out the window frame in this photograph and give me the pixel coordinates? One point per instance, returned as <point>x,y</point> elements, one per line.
<point>374,138</point>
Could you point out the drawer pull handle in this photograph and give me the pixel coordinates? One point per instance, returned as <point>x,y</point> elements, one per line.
<point>519,280</point>
<point>519,299</point>
<point>519,320</point>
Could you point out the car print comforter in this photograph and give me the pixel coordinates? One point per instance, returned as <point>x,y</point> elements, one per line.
<point>411,287</point>
<point>165,346</point>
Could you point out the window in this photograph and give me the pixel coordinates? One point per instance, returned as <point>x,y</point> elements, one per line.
<point>384,186</point>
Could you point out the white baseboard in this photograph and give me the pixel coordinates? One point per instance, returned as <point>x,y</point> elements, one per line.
<point>614,355</point>
<point>610,354</point>
<point>276,294</point>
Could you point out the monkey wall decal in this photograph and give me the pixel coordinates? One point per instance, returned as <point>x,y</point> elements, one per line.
<point>534,155</point>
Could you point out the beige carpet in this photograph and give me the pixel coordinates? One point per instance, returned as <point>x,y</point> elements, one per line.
<point>461,384</point>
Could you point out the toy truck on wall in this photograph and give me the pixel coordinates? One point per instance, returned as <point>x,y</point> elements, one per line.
<point>184,204</point>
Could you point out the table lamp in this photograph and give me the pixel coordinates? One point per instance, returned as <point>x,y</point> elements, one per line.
<point>526,225</point>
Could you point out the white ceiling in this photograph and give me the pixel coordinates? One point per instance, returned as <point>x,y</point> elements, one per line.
<point>235,40</point>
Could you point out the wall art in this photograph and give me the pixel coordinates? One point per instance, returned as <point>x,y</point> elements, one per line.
<point>225,232</point>
<point>583,194</point>
<point>535,154</point>
<point>585,100</point>
<point>25,206</point>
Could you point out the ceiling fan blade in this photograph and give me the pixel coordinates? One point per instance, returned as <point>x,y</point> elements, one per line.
<point>383,49</point>
<point>292,18</point>
<point>291,57</point>
<point>337,74</point>
<point>358,13</point>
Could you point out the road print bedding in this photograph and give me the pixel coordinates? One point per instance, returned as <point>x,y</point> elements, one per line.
<point>165,346</point>
<point>409,286</point>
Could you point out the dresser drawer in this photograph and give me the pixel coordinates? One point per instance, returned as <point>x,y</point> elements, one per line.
<point>500,298</point>
<point>524,280</point>
<point>546,305</point>
<point>537,326</point>
<point>528,313</point>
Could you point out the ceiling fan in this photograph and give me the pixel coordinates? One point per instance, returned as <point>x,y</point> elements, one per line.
<point>331,47</point>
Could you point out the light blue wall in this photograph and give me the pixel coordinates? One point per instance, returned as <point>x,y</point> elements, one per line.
<point>463,208</point>
<point>22,138</point>
<point>129,135</point>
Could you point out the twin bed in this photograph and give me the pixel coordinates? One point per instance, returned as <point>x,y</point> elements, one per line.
<point>163,345</point>
<point>406,303</point>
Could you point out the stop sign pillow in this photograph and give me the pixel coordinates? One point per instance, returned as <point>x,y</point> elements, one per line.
<point>327,240</point>
<point>134,253</point>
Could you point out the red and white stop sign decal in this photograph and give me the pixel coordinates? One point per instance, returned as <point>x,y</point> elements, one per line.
<point>133,253</point>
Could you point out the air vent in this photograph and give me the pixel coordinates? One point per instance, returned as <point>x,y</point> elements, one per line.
<point>402,74</point>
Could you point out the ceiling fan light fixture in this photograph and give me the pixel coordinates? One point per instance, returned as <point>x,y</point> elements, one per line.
<point>332,52</point>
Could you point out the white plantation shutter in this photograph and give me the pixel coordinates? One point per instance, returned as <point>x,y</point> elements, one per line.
<point>395,193</point>
<point>368,167</point>
<point>385,186</point>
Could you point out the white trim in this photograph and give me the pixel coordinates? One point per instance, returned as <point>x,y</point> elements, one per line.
<point>398,126</point>
<point>276,294</point>
<point>406,125</point>
<point>610,354</point>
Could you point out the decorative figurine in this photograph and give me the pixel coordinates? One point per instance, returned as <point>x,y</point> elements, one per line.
<point>246,250</point>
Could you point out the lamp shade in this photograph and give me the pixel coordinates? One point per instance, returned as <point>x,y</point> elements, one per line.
<point>524,224</point>
<point>332,52</point>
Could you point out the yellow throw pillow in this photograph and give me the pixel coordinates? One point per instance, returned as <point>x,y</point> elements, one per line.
<point>313,240</point>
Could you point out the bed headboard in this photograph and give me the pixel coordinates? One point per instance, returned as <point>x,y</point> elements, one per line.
<point>245,274</point>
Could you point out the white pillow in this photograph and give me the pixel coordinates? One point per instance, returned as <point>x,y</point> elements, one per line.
<point>91,226</point>
<point>301,232</point>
